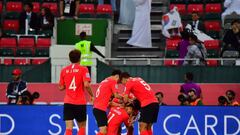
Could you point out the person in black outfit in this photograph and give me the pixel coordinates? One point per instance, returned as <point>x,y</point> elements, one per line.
<point>232,37</point>
<point>46,19</point>
<point>30,16</point>
<point>16,87</point>
<point>196,23</point>
<point>69,8</point>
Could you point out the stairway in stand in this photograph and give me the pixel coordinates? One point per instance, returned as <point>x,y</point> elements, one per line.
<point>120,49</point>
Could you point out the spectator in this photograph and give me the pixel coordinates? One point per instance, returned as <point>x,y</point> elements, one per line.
<point>223,101</point>
<point>113,3</point>
<point>232,6</point>
<point>196,23</point>
<point>16,87</point>
<point>159,96</point>
<point>86,48</point>
<point>232,37</point>
<point>69,8</point>
<point>141,33</point>
<point>46,19</point>
<point>183,45</point>
<point>194,99</point>
<point>189,84</point>
<point>30,16</point>
<point>127,12</point>
<point>230,94</point>
<point>195,51</point>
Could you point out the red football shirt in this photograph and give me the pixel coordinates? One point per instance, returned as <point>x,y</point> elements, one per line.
<point>116,117</point>
<point>72,77</point>
<point>104,92</point>
<point>141,90</point>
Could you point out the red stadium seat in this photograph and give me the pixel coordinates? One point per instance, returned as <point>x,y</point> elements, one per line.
<point>211,44</point>
<point>195,8</point>
<point>1,7</point>
<point>8,42</point>
<point>52,6</point>
<point>26,42</point>
<point>14,6</point>
<point>38,61</point>
<point>170,62</point>
<point>212,25</point>
<point>181,8</point>
<point>213,8</point>
<point>43,42</point>
<point>22,61</point>
<point>212,63</point>
<point>36,7</point>
<point>104,9</point>
<point>172,44</point>
<point>7,61</point>
<point>86,8</point>
<point>11,25</point>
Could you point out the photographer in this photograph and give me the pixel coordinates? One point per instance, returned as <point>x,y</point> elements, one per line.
<point>16,87</point>
<point>230,94</point>
<point>193,99</point>
<point>183,99</point>
<point>223,101</point>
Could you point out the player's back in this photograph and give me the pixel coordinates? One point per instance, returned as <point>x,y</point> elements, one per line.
<point>142,91</point>
<point>74,75</point>
<point>105,90</point>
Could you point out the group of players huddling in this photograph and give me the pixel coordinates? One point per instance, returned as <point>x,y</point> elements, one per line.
<point>110,107</point>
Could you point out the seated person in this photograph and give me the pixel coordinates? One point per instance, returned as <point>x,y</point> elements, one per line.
<point>32,18</point>
<point>69,8</point>
<point>46,19</point>
<point>232,37</point>
<point>16,87</point>
<point>196,23</point>
<point>159,96</point>
<point>230,94</point>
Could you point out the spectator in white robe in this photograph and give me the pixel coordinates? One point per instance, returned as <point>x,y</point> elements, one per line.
<point>141,33</point>
<point>232,6</point>
<point>127,12</point>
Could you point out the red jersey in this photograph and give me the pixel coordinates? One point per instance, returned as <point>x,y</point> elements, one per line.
<point>104,92</point>
<point>116,117</point>
<point>73,77</point>
<point>141,90</point>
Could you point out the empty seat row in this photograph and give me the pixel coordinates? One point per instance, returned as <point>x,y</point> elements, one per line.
<point>22,61</point>
<point>195,1</point>
<point>175,62</point>
<point>25,42</point>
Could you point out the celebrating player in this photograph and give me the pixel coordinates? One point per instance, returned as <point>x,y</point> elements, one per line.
<point>75,78</point>
<point>106,89</point>
<point>149,104</point>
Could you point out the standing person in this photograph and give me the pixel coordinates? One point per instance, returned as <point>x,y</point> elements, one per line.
<point>149,104</point>
<point>189,84</point>
<point>69,8</point>
<point>86,48</point>
<point>230,6</point>
<point>127,12</point>
<point>183,45</point>
<point>16,87</point>
<point>30,16</point>
<point>75,79</point>
<point>141,33</point>
<point>106,89</point>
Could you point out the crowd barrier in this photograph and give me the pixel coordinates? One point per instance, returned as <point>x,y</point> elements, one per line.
<point>172,120</point>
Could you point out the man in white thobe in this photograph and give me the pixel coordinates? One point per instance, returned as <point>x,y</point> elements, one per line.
<point>141,33</point>
<point>231,7</point>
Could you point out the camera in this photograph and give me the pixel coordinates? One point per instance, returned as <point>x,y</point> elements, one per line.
<point>183,98</point>
<point>223,100</point>
<point>27,98</point>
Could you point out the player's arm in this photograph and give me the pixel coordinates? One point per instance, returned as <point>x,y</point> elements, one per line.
<point>87,87</point>
<point>127,90</point>
<point>86,83</point>
<point>61,85</point>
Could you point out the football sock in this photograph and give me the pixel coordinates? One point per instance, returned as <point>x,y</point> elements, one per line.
<point>81,131</point>
<point>68,132</point>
